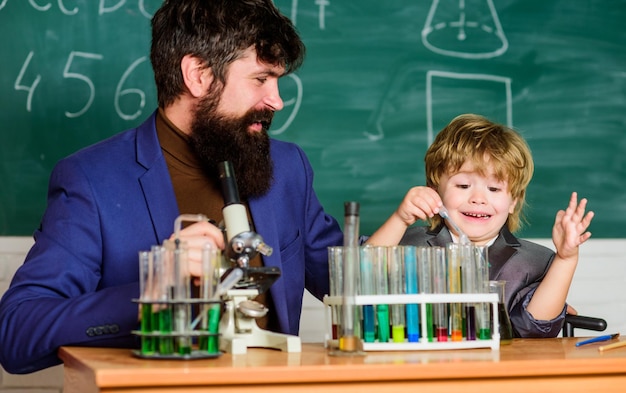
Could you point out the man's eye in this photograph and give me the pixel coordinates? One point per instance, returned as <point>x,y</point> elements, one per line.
<point>262,80</point>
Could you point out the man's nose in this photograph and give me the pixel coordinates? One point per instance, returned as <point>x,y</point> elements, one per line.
<point>272,97</point>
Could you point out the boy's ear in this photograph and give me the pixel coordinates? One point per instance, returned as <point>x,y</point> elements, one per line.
<point>196,75</point>
<point>513,205</point>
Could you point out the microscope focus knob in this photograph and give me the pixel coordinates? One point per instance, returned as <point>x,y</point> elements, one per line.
<point>252,309</point>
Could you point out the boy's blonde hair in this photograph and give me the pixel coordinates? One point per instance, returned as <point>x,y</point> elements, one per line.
<point>482,142</point>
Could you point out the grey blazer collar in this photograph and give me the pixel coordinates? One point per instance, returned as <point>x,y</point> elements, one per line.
<point>500,251</point>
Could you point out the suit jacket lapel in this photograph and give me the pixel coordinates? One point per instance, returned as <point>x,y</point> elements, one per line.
<point>438,237</point>
<point>501,251</point>
<point>265,218</point>
<point>155,182</point>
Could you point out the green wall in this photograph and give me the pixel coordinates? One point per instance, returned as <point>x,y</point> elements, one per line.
<point>380,79</point>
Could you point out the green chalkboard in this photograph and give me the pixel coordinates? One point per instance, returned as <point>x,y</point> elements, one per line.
<point>380,79</point>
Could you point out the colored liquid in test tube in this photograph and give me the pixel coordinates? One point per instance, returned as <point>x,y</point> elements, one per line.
<point>335,272</point>
<point>453,254</point>
<point>382,288</point>
<point>425,280</point>
<point>440,285</point>
<point>469,284</point>
<point>367,288</point>
<point>208,291</point>
<point>162,309</point>
<point>396,287</point>
<point>349,340</point>
<point>483,318</point>
<point>412,310</point>
<point>182,293</point>
<point>145,290</point>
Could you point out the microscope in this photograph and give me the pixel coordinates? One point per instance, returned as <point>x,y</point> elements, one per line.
<point>238,327</point>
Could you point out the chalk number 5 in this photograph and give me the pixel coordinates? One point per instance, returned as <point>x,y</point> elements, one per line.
<point>75,75</point>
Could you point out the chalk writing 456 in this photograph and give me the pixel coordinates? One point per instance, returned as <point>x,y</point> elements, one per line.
<point>70,73</point>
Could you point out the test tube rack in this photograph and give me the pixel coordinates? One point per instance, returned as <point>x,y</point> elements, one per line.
<point>421,299</point>
<point>193,333</point>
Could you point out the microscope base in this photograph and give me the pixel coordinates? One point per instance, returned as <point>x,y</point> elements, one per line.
<point>239,332</point>
<point>258,338</point>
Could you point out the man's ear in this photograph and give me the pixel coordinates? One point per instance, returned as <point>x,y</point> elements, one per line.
<point>196,76</point>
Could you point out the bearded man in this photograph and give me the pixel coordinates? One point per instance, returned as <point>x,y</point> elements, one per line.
<point>216,65</point>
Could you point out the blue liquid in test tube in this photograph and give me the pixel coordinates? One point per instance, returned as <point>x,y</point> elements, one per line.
<point>412,311</point>
<point>367,288</point>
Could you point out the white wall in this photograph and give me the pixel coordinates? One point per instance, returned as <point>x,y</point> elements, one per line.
<point>12,252</point>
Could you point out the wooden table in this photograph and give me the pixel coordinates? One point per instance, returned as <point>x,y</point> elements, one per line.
<point>527,365</point>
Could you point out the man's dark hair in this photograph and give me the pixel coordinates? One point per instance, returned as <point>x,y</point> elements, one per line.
<point>218,32</point>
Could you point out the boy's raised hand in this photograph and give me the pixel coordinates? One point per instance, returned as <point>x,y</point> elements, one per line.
<point>570,227</point>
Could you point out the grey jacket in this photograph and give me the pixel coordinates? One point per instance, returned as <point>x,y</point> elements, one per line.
<point>522,264</point>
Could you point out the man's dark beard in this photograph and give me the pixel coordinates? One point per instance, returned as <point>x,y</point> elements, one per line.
<point>216,138</point>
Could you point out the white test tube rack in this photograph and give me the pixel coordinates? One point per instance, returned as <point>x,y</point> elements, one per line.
<point>422,299</point>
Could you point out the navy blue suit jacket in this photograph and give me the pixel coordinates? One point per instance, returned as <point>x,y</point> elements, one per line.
<point>111,200</point>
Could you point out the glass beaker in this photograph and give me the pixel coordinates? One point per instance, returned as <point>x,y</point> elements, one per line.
<point>506,330</point>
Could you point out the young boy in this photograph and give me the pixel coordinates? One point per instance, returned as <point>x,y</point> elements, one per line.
<point>479,171</point>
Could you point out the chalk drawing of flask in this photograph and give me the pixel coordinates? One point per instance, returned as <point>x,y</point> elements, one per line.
<point>464,28</point>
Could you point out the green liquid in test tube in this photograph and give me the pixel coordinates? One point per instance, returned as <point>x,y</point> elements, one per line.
<point>382,288</point>
<point>166,343</point>
<point>208,291</point>
<point>155,325</point>
<point>162,311</point>
<point>182,293</point>
<point>483,318</point>
<point>147,343</point>
<point>214,321</point>
<point>145,290</point>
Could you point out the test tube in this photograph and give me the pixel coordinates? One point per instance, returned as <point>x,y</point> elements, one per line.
<point>440,285</point>
<point>483,320</point>
<point>349,340</point>
<point>396,287</point>
<point>182,295</point>
<point>453,254</point>
<point>335,272</point>
<point>208,292</point>
<point>425,280</point>
<point>382,288</point>
<point>469,284</point>
<point>505,329</point>
<point>146,275</point>
<point>411,285</point>
<point>367,288</point>
<point>162,309</point>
